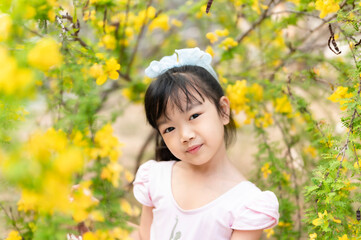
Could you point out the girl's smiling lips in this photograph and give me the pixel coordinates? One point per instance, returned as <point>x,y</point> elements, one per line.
<point>194,149</point>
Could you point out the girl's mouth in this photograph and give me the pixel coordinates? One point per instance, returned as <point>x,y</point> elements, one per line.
<point>194,149</point>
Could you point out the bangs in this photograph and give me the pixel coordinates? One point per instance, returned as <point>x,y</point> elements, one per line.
<point>180,90</point>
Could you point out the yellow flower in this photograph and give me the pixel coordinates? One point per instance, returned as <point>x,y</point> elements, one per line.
<point>13,235</point>
<point>89,15</point>
<point>265,170</point>
<point>127,93</point>
<point>318,221</point>
<point>237,95</point>
<point>264,121</point>
<point>210,50</point>
<point>311,151</point>
<point>5,26</point>
<point>344,237</point>
<point>286,176</point>
<point>269,232</point>
<point>111,172</point>
<point>222,33</point>
<point>90,236</point>
<point>97,72</point>
<point>45,54</point>
<point>256,91</point>
<point>228,43</point>
<point>202,11</point>
<point>82,201</point>
<point>129,32</point>
<point>212,37</point>
<point>340,95</point>
<point>109,41</point>
<point>313,236</point>
<point>111,67</point>
<point>14,80</point>
<point>30,12</point>
<point>176,23</point>
<point>326,6</point>
<point>283,105</point>
<point>107,145</point>
<point>143,17</point>
<point>70,161</point>
<point>284,224</point>
<point>160,22</point>
<point>119,233</point>
<point>191,43</point>
<point>128,176</point>
<point>125,206</point>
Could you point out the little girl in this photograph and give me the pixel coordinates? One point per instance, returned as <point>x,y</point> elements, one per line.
<point>192,191</point>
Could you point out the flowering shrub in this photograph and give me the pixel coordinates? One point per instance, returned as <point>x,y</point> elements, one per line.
<point>278,61</point>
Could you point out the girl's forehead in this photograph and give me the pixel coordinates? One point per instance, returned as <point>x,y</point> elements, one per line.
<point>183,101</point>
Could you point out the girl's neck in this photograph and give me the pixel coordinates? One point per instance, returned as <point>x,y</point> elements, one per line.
<point>218,165</point>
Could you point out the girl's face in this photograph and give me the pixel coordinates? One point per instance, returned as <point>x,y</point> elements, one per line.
<point>195,135</point>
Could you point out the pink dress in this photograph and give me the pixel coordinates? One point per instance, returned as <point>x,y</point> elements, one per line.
<point>244,207</point>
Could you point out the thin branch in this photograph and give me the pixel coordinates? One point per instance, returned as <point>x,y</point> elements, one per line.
<point>138,39</point>
<point>141,152</point>
<point>255,24</point>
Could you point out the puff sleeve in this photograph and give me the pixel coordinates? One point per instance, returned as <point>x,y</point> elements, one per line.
<point>258,212</point>
<point>141,183</point>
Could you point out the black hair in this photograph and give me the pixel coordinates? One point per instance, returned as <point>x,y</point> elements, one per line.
<point>171,87</point>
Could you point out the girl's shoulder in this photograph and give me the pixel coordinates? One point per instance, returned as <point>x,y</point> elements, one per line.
<point>153,164</point>
<point>149,175</point>
<point>254,208</point>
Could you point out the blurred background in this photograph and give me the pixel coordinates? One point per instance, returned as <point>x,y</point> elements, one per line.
<point>72,124</point>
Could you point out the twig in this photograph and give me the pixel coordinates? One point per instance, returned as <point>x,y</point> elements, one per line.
<point>255,24</point>
<point>209,4</point>
<point>140,155</point>
<point>138,38</point>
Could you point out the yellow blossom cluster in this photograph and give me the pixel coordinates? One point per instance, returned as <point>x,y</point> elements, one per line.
<point>5,26</point>
<point>111,172</point>
<point>257,6</point>
<point>324,218</point>
<point>311,151</point>
<point>128,209</point>
<point>265,170</point>
<point>14,235</point>
<point>269,232</point>
<point>145,16</point>
<point>106,144</point>
<point>242,97</point>
<point>43,169</point>
<point>326,7</point>
<point>45,54</point>
<point>283,105</point>
<point>237,95</point>
<point>102,72</point>
<point>13,79</point>
<point>113,234</point>
<point>82,204</point>
<point>132,22</point>
<point>313,236</point>
<point>227,43</point>
<point>341,96</point>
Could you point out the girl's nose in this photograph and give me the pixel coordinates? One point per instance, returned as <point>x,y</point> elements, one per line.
<point>187,134</point>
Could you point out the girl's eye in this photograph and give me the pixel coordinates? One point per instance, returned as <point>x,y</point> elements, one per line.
<point>168,130</point>
<point>194,116</point>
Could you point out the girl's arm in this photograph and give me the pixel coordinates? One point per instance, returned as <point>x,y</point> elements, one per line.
<point>246,235</point>
<point>145,222</point>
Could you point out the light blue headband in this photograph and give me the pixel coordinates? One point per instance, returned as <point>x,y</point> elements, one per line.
<point>181,57</point>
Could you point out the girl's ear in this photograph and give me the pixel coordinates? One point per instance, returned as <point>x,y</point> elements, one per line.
<point>225,107</point>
